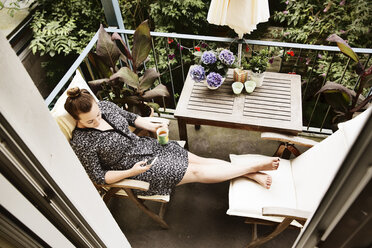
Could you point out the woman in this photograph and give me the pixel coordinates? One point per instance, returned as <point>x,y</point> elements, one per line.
<point>109,152</point>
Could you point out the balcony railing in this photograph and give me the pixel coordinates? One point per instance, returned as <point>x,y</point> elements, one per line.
<point>300,50</point>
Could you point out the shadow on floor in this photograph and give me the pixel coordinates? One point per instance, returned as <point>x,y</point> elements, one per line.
<point>196,213</point>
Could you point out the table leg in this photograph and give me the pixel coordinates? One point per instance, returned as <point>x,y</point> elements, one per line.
<point>183,131</point>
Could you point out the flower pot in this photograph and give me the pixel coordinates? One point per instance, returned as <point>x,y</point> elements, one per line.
<point>258,78</point>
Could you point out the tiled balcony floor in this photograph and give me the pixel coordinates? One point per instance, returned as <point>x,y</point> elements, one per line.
<point>197,212</point>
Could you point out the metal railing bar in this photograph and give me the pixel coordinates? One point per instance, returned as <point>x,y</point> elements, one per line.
<point>281,59</point>
<point>296,64</point>
<point>343,73</point>
<point>72,69</point>
<point>170,74</point>
<point>325,117</point>
<point>155,57</point>
<point>89,69</point>
<point>182,68</point>
<point>253,42</point>
<point>311,73</point>
<point>324,81</point>
<point>329,107</point>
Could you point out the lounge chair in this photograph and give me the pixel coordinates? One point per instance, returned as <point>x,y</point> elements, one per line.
<point>124,188</point>
<point>298,185</point>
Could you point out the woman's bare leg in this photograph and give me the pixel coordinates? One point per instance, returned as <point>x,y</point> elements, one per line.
<point>205,170</point>
<point>263,179</point>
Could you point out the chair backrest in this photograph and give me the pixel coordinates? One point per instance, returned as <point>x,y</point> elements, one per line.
<point>314,170</point>
<point>64,120</point>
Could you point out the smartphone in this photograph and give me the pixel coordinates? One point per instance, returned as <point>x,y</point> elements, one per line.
<point>151,161</point>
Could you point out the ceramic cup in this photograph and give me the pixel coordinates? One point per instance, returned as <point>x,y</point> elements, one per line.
<point>162,135</point>
<point>237,87</point>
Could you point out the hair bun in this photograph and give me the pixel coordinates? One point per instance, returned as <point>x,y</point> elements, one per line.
<point>73,92</point>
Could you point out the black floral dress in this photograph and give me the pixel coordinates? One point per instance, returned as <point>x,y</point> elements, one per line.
<point>119,149</point>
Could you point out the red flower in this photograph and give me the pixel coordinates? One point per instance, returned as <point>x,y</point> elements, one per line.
<point>247,48</point>
<point>290,53</point>
<point>170,40</point>
<point>197,48</point>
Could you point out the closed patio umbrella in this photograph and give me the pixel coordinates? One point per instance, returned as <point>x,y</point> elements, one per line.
<point>240,15</point>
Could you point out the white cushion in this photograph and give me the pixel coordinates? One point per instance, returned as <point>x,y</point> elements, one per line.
<point>64,120</point>
<point>247,198</point>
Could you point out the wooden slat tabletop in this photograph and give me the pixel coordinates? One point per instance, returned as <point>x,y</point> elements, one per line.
<point>275,106</point>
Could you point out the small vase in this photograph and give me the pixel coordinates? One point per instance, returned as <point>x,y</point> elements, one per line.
<point>258,78</point>
<point>240,75</point>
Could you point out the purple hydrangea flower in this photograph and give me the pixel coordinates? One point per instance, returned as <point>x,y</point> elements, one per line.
<point>226,57</point>
<point>197,73</point>
<point>287,2</point>
<point>208,58</point>
<point>285,12</point>
<point>214,79</point>
<point>320,56</point>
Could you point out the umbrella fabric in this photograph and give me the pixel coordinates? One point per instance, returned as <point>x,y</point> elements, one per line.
<point>240,15</point>
<point>218,11</point>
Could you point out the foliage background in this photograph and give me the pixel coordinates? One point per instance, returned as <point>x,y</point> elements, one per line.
<point>63,28</point>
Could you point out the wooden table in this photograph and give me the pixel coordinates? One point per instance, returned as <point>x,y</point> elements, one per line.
<point>273,107</point>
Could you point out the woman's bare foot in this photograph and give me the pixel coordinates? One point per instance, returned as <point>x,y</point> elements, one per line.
<point>263,179</point>
<point>268,164</point>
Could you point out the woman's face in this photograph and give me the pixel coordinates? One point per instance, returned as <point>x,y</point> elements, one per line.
<point>92,119</point>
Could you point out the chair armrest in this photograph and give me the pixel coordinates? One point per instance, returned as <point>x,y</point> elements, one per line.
<point>286,212</point>
<point>128,183</point>
<point>288,138</point>
<point>158,120</point>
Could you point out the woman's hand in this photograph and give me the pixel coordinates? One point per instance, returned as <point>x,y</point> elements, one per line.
<point>145,123</point>
<point>141,167</point>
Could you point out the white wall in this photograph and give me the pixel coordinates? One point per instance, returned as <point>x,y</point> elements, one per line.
<point>24,108</point>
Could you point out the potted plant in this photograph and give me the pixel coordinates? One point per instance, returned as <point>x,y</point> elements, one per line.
<point>213,67</point>
<point>257,64</point>
<point>345,102</point>
<point>130,85</point>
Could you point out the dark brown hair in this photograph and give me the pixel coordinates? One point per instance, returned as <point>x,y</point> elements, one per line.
<point>78,101</point>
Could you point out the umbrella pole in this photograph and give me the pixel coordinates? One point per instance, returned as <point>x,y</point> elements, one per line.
<point>240,54</point>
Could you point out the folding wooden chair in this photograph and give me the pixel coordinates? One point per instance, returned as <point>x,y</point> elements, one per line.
<point>124,188</point>
<point>298,185</point>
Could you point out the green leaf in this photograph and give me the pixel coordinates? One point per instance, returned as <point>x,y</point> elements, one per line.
<point>141,43</point>
<point>154,105</point>
<point>366,79</point>
<point>107,49</point>
<point>127,76</point>
<point>121,45</point>
<point>344,47</point>
<point>101,68</point>
<point>338,96</point>
<point>148,79</point>
<point>96,85</point>
<point>158,91</point>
